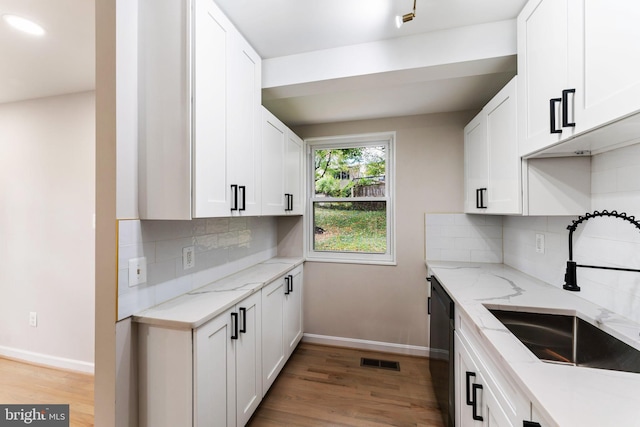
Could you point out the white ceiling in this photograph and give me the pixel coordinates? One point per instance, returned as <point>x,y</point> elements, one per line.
<point>286,27</point>
<point>63,61</point>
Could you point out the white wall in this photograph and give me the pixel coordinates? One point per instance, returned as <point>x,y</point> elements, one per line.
<point>615,184</point>
<point>47,168</point>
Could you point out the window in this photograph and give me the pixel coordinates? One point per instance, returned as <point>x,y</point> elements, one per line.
<point>350,214</point>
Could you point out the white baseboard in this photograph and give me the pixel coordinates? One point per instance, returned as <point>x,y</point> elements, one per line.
<point>47,360</point>
<point>385,347</point>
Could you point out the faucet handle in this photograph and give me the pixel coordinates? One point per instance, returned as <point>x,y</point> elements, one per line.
<point>570,280</point>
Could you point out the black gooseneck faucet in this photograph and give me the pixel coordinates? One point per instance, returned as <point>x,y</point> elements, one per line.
<point>570,280</point>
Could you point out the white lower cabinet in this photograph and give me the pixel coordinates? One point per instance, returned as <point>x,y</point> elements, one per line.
<point>282,323</point>
<point>476,401</point>
<point>209,376</point>
<point>485,395</point>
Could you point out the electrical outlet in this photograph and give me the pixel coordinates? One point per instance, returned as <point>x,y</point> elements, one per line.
<point>539,243</point>
<point>137,271</point>
<point>33,319</point>
<point>188,257</point>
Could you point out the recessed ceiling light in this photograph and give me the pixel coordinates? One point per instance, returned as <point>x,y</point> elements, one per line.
<point>24,25</point>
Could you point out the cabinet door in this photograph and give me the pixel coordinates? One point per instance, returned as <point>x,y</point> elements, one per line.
<point>467,375</point>
<point>244,100</point>
<point>542,71</point>
<point>475,163</point>
<point>606,54</point>
<point>504,194</point>
<point>249,358</point>
<point>293,162</point>
<point>274,144</point>
<point>214,373</point>
<point>293,311</point>
<point>273,357</point>
<point>211,196</point>
<point>493,414</point>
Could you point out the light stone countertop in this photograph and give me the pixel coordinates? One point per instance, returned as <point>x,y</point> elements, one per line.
<point>195,308</point>
<point>569,395</point>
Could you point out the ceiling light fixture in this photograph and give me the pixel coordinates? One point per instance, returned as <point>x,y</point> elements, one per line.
<point>406,17</point>
<point>24,25</point>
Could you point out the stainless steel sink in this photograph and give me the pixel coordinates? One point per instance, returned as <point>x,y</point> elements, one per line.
<point>568,339</point>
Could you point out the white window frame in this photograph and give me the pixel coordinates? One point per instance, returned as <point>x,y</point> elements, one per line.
<point>350,141</point>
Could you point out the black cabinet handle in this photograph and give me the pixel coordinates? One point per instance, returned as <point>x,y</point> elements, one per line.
<point>290,283</point>
<point>234,196</point>
<point>234,325</point>
<point>289,201</point>
<point>480,198</point>
<point>428,305</point>
<point>530,424</point>
<point>243,311</point>
<point>565,108</point>
<point>286,284</point>
<point>552,112</point>
<point>243,189</point>
<point>475,415</point>
<point>469,375</point>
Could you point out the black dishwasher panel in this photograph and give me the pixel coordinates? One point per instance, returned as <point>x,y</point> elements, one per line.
<point>441,310</point>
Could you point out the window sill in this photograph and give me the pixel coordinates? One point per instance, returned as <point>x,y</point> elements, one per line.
<point>312,258</point>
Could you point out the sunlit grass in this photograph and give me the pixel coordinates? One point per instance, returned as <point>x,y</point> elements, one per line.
<point>350,230</point>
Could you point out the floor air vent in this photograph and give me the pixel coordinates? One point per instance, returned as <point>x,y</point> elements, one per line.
<point>377,363</point>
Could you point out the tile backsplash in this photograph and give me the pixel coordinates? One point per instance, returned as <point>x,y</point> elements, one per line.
<point>222,247</point>
<point>615,185</point>
<point>461,237</point>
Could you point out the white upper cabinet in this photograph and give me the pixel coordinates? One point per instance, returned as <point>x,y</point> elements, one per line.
<point>504,194</point>
<point>294,159</point>
<point>244,114</point>
<point>475,164</point>
<point>282,157</point>
<point>542,73</point>
<point>607,75</point>
<point>210,63</point>
<point>578,68</point>
<point>492,163</point>
<point>199,113</point>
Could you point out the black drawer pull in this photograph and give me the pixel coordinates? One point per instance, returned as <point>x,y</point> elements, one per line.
<point>565,108</point>
<point>243,311</point>
<point>552,112</point>
<point>469,375</point>
<point>234,197</point>
<point>475,415</point>
<point>234,326</point>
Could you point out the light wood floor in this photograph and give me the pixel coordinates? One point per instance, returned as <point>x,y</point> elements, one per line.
<point>326,386</point>
<point>319,386</point>
<point>24,383</point>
